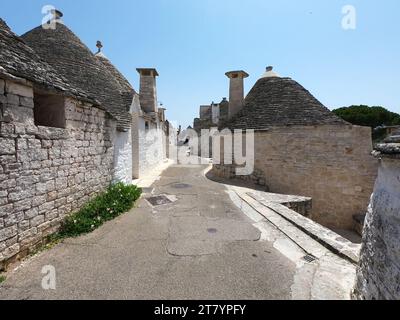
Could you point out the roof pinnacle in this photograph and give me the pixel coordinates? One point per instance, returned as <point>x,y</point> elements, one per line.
<point>99,46</point>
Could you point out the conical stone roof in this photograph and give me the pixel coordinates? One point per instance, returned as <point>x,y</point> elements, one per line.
<point>126,89</point>
<point>66,53</point>
<point>276,101</point>
<point>123,82</point>
<point>20,60</point>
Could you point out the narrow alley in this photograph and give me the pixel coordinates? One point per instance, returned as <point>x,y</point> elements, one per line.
<point>199,246</point>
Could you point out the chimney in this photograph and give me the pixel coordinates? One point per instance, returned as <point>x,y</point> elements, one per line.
<point>148,90</point>
<point>236,91</point>
<point>99,46</point>
<point>224,110</point>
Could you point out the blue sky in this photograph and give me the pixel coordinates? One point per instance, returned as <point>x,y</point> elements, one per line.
<point>192,43</point>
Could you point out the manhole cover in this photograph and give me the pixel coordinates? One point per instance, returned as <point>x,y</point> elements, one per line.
<point>181,186</point>
<point>309,258</point>
<point>158,200</point>
<point>212,230</point>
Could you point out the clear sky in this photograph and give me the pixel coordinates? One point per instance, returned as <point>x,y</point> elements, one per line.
<point>192,43</point>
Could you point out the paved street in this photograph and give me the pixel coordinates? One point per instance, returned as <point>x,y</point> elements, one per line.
<point>199,246</point>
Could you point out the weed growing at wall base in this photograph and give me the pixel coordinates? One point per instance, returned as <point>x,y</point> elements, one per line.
<point>118,199</point>
<point>2,279</point>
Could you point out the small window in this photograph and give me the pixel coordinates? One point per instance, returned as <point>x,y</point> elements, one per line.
<point>146,126</point>
<point>49,110</point>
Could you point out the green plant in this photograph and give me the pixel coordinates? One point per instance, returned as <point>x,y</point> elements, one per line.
<point>2,278</point>
<point>118,199</point>
<point>370,117</point>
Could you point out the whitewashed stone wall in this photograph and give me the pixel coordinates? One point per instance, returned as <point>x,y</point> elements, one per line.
<point>151,150</point>
<point>123,153</point>
<point>123,157</point>
<point>47,173</point>
<point>378,275</point>
<point>135,136</point>
<point>171,152</point>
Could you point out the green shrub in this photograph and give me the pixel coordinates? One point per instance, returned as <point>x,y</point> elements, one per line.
<point>118,199</point>
<point>2,278</point>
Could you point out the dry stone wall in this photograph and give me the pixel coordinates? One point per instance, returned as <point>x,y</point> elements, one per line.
<point>332,164</point>
<point>229,171</point>
<point>47,173</point>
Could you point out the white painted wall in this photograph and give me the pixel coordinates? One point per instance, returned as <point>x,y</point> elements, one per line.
<point>151,150</point>
<point>135,136</point>
<point>148,146</point>
<point>123,157</point>
<point>123,151</point>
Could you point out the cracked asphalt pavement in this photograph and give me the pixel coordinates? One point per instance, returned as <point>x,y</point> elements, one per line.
<point>200,246</point>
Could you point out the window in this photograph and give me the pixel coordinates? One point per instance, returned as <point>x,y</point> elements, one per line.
<point>146,126</point>
<point>49,110</point>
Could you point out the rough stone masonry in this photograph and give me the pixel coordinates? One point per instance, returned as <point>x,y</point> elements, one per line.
<point>378,275</point>
<point>47,173</point>
<point>329,163</point>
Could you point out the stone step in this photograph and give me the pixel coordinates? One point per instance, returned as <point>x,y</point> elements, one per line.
<point>300,204</point>
<point>268,206</point>
<point>327,277</point>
